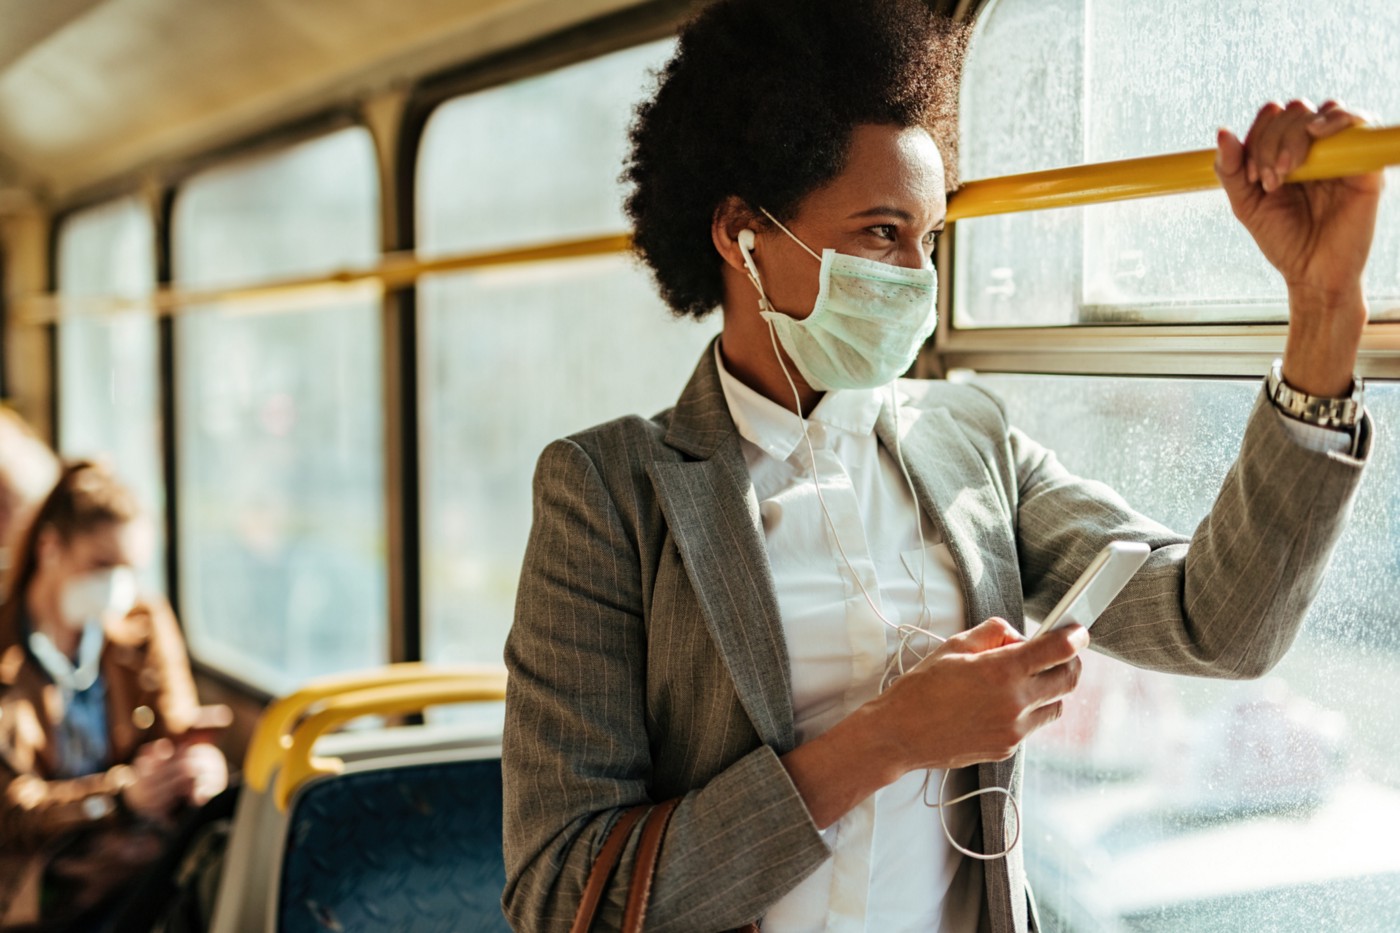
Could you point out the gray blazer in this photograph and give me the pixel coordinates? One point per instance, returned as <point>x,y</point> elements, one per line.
<point>647,658</point>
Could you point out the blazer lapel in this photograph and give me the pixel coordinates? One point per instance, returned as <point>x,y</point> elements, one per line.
<point>712,514</point>
<point>955,490</point>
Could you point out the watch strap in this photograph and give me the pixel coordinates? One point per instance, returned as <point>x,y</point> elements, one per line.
<point>1338,413</point>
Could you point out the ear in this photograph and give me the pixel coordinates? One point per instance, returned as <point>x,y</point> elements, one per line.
<point>731,217</point>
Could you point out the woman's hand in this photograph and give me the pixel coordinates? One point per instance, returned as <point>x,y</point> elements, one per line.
<point>1316,233</point>
<point>973,700</point>
<point>981,694</point>
<point>167,775</point>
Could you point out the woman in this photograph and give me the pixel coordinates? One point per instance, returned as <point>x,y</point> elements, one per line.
<point>740,601</point>
<point>102,741</point>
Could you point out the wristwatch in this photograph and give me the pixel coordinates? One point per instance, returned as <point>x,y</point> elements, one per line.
<point>98,806</point>
<point>1342,414</point>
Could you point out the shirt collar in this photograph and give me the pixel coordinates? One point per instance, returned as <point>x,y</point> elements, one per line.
<point>57,665</point>
<point>776,431</point>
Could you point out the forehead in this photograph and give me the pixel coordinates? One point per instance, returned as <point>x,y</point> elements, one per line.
<point>114,543</point>
<point>897,167</point>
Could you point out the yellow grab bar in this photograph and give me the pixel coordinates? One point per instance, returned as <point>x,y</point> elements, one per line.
<point>1355,151</point>
<point>301,766</point>
<point>272,736</point>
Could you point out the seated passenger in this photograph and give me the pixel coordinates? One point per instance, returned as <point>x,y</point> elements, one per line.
<point>103,744</point>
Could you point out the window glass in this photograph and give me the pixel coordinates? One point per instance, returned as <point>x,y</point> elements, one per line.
<point>280,440</point>
<point>1050,83</point>
<point>1178,804</point>
<point>108,371</point>
<point>515,357</point>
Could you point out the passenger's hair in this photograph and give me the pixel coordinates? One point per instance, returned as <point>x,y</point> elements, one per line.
<point>87,496</point>
<point>760,101</point>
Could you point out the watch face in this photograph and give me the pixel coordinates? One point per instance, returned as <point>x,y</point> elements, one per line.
<point>97,806</point>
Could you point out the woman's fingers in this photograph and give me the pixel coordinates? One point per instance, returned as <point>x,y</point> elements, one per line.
<point>1057,682</point>
<point>1278,142</point>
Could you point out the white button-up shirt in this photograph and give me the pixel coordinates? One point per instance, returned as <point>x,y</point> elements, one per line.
<point>891,865</point>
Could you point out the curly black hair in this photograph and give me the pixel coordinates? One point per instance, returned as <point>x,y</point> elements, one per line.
<point>759,102</point>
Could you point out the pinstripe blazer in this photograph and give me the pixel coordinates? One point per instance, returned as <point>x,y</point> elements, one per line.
<point>647,658</point>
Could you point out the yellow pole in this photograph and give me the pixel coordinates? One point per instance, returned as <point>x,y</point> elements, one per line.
<point>1352,152</point>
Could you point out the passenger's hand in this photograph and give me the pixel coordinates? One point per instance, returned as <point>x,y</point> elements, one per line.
<point>204,764</point>
<point>1316,233</point>
<point>160,783</point>
<point>169,775</point>
<point>981,693</point>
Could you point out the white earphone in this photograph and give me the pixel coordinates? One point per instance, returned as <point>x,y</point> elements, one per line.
<point>746,244</point>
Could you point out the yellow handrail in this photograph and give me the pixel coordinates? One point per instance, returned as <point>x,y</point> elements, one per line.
<point>301,766</point>
<point>1353,151</point>
<point>272,736</point>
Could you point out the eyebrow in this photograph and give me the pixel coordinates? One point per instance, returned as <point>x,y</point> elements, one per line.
<point>884,211</point>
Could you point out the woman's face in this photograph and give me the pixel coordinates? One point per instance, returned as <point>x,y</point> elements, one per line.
<point>70,568</point>
<point>887,204</point>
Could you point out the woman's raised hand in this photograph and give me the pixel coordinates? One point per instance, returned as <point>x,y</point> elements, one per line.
<point>1316,233</point>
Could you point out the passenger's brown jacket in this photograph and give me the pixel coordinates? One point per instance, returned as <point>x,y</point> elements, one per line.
<point>150,694</point>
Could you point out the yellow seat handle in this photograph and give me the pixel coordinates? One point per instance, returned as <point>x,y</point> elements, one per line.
<point>272,736</point>
<point>301,766</point>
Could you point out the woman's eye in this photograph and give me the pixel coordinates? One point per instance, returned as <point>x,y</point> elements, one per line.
<point>884,231</point>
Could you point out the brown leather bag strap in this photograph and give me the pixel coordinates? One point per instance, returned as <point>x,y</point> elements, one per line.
<point>603,867</point>
<point>648,853</point>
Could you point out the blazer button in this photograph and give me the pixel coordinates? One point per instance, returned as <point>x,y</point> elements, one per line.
<point>143,717</point>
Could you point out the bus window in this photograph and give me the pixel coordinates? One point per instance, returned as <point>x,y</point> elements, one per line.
<point>1067,82</point>
<point>1176,804</point>
<point>279,435</point>
<point>1172,804</point>
<point>109,397</point>
<point>510,356</point>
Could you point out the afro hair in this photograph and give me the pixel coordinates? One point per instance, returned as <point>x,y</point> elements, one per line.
<point>759,103</point>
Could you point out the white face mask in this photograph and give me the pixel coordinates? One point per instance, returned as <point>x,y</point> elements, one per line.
<point>93,596</point>
<point>867,325</point>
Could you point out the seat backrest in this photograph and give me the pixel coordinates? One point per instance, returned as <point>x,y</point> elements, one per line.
<point>411,845</point>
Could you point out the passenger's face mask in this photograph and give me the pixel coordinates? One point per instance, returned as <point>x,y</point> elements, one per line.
<point>867,325</point>
<point>92,596</point>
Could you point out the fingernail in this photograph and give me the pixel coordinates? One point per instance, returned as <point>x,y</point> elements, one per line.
<point>1252,173</point>
<point>1266,178</point>
<point>1285,164</point>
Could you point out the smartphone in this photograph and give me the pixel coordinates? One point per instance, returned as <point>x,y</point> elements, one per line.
<point>1101,581</point>
<point>209,724</point>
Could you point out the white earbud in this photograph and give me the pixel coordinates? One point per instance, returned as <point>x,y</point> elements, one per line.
<point>746,244</point>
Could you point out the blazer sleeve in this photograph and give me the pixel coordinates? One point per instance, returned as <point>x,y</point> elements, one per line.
<point>576,751</point>
<point>1228,601</point>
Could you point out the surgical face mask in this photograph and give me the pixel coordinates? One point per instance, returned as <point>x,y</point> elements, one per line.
<point>868,323</point>
<point>93,596</point>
